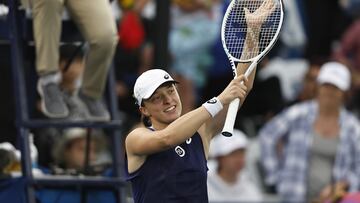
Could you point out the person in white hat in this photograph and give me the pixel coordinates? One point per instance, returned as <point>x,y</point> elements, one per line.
<point>230,181</point>
<point>314,145</point>
<point>69,151</point>
<point>166,160</point>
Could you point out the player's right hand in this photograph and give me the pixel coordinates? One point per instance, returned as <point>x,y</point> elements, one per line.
<point>235,89</point>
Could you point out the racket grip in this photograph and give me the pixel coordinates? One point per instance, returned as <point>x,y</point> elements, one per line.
<point>230,118</point>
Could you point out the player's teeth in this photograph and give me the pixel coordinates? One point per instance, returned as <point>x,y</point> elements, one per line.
<point>169,109</point>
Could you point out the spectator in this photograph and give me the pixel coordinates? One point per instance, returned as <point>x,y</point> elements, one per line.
<point>189,48</point>
<point>313,145</point>
<point>9,160</point>
<point>97,24</point>
<point>230,182</point>
<point>69,152</point>
<point>69,156</point>
<point>134,53</point>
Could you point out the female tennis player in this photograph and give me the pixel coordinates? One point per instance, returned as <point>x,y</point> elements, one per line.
<point>166,160</point>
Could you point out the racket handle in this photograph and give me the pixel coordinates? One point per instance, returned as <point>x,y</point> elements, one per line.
<point>230,118</point>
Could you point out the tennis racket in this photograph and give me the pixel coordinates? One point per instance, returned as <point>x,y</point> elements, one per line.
<point>249,30</point>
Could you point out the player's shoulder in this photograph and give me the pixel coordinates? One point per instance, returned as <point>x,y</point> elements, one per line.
<point>138,131</point>
<point>135,135</point>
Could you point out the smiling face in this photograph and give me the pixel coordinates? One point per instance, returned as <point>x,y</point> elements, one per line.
<point>163,107</point>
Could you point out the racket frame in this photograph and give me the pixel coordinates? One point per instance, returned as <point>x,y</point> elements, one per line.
<point>228,128</point>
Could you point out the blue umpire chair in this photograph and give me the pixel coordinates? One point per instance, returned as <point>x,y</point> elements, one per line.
<point>80,187</point>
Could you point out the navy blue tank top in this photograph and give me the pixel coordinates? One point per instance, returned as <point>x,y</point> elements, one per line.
<point>177,175</point>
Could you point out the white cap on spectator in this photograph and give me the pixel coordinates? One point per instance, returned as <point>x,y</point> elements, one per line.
<point>336,74</point>
<point>221,145</point>
<point>148,82</point>
<point>68,136</point>
<point>74,133</point>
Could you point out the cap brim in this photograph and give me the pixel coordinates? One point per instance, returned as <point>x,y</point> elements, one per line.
<point>333,81</point>
<point>155,87</point>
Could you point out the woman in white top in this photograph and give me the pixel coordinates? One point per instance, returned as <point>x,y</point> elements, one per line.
<point>230,182</point>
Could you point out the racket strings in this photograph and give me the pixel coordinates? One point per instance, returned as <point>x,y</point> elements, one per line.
<point>236,28</point>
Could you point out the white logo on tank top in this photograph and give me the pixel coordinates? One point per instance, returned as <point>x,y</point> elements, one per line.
<point>188,141</point>
<point>180,151</point>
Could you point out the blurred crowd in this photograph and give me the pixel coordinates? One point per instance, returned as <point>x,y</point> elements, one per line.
<point>298,132</point>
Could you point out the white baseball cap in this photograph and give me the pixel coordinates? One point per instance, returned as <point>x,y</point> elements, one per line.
<point>221,145</point>
<point>336,74</point>
<point>148,82</point>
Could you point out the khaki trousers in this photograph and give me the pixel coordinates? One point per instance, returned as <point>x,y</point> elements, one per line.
<point>96,23</point>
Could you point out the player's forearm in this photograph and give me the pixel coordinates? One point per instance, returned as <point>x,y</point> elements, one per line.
<point>251,45</point>
<point>217,123</point>
<point>185,126</point>
<point>251,48</point>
